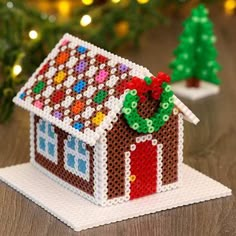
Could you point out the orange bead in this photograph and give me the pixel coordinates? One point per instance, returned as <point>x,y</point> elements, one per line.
<point>77,107</point>
<point>62,57</point>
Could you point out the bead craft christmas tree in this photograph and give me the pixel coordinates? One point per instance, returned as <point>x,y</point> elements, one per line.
<point>196,55</point>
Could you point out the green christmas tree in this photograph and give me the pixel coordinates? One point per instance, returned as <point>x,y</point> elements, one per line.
<point>196,55</point>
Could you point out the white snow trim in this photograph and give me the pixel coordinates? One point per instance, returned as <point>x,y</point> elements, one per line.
<point>100,170</point>
<point>188,114</point>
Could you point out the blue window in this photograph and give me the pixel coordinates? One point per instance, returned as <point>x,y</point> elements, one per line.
<point>76,157</point>
<point>47,140</point>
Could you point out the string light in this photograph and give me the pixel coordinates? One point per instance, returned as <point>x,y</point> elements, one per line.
<point>16,69</point>
<point>230,6</point>
<point>64,8</point>
<point>10,4</point>
<point>33,34</point>
<point>115,1</point>
<point>87,2</point>
<point>85,20</point>
<point>142,1</point>
<point>52,18</point>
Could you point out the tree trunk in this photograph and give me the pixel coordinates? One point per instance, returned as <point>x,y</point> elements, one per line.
<point>193,83</point>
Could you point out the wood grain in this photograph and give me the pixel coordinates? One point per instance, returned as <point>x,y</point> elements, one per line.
<point>210,147</point>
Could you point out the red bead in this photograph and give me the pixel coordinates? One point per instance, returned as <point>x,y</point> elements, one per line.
<point>44,69</point>
<point>100,58</point>
<point>58,96</point>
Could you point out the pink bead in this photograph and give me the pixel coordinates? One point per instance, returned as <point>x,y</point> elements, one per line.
<point>101,76</point>
<point>38,104</point>
<point>65,42</point>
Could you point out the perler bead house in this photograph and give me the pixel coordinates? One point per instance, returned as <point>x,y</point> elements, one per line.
<point>102,126</point>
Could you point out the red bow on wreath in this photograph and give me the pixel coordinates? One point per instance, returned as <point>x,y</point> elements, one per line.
<point>153,84</point>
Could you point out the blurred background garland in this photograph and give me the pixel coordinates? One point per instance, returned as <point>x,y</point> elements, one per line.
<point>30,29</point>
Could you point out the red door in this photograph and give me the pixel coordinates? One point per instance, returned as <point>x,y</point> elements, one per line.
<point>143,166</point>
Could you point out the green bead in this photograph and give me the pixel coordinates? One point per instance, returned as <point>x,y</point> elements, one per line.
<point>148,80</point>
<point>133,92</point>
<point>101,95</point>
<point>39,87</point>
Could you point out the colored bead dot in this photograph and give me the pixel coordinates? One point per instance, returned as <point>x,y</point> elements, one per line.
<point>38,104</point>
<point>133,92</point>
<point>77,107</point>
<point>57,114</point>
<point>79,86</point>
<point>22,96</point>
<point>62,57</point>
<point>123,68</point>
<point>65,42</point>
<point>101,58</point>
<point>102,75</point>
<point>132,178</point>
<point>58,96</point>
<point>165,117</point>
<point>44,69</point>
<point>168,88</point>
<point>97,120</point>
<point>100,96</point>
<point>165,105</point>
<point>135,126</point>
<point>81,66</point>
<point>59,77</point>
<point>148,80</point>
<point>39,87</point>
<point>78,125</point>
<point>81,49</point>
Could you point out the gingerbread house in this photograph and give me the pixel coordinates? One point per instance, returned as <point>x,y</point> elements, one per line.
<point>102,126</point>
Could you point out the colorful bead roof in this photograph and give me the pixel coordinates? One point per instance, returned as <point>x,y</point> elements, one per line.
<point>79,88</point>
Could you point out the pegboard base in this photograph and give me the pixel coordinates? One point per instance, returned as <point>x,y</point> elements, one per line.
<point>81,214</point>
<point>205,90</point>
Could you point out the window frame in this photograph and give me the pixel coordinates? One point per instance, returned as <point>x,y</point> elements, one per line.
<point>77,155</point>
<point>47,138</point>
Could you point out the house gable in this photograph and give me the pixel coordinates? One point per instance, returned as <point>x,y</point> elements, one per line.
<point>80,88</point>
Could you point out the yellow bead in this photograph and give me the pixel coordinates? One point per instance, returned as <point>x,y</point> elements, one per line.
<point>132,178</point>
<point>97,120</point>
<point>59,77</point>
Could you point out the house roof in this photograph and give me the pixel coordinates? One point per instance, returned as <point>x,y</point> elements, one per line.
<point>80,88</point>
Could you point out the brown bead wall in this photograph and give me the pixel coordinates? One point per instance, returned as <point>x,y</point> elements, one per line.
<point>121,136</point>
<point>58,169</point>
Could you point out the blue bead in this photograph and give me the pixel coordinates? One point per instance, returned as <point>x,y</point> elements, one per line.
<point>22,95</point>
<point>79,86</point>
<point>81,49</point>
<point>78,125</point>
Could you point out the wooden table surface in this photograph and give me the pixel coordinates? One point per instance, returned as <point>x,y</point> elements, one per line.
<point>210,147</point>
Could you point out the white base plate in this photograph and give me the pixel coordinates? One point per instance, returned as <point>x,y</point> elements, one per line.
<point>205,90</point>
<point>81,214</point>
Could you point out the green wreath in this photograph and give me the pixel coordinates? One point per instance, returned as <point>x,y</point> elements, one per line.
<point>154,123</point>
